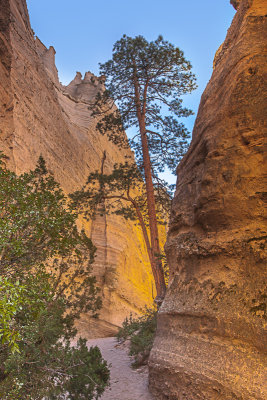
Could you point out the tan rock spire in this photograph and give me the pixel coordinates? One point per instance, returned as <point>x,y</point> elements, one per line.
<point>211,338</point>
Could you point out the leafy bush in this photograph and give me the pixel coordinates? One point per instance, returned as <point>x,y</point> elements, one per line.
<point>11,300</point>
<point>140,331</point>
<point>46,282</point>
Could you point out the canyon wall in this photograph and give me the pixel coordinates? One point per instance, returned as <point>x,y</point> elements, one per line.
<point>211,338</point>
<point>38,115</point>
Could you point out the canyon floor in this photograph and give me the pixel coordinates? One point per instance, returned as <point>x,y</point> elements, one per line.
<point>126,383</point>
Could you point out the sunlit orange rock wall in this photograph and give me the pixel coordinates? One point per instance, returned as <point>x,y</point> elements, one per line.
<point>40,116</point>
<point>211,339</point>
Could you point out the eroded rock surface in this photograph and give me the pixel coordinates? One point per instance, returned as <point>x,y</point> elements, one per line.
<point>211,337</point>
<point>40,116</point>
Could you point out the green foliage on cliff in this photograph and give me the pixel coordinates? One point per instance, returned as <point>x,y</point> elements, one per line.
<point>46,282</point>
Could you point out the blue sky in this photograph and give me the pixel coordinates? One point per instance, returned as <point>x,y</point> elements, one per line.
<point>83,32</point>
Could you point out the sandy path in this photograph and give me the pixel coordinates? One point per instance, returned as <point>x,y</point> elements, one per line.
<point>126,383</point>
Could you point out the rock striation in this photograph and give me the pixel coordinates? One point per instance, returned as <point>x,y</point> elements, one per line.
<point>211,338</point>
<point>38,115</point>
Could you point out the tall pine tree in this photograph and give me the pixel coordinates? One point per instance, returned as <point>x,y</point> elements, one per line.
<point>145,81</point>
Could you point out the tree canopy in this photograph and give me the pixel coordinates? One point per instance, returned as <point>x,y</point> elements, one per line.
<point>146,78</point>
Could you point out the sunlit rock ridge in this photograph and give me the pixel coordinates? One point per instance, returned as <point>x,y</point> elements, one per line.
<point>38,115</point>
<point>211,337</point>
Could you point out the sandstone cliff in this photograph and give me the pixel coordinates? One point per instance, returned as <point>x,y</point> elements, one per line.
<point>211,337</point>
<point>40,116</point>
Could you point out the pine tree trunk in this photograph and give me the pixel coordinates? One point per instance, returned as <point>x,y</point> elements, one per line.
<point>153,225</point>
<point>145,234</point>
<point>156,264</point>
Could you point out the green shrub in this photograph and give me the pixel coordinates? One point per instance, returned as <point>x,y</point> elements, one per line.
<point>45,284</point>
<point>140,331</point>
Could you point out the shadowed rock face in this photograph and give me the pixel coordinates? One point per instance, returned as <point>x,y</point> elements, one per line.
<point>38,115</point>
<point>211,338</point>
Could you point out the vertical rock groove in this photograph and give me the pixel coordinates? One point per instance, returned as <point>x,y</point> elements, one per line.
<point>211,337</point>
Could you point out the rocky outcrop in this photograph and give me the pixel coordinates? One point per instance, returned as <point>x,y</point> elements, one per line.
<point>235,3</point>
<point>40,116</point>
<point>211,338</point>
